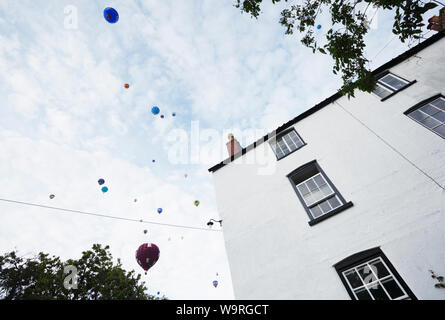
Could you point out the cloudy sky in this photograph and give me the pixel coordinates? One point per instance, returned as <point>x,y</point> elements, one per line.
<point>66,120</point>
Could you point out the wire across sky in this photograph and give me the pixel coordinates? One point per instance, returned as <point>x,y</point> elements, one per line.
<point>104,215</point>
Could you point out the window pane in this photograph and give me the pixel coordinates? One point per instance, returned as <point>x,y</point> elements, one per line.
<point>353,279</point>
<point>379,268</point>
<point>440,116</point>
<point>326,190</point>
<point>366,274</point>
<point>283,146</point>
<point>290,143</point>
<point>316,212</point>
<point>393,288</point>
<point>440,103</point>
<point>440,130</point>
<point>319,180</point>
<point>311,185</point>
<point>334,202</point>
<point>303,189</point>
<point>309,199</point>
<point>377,291</point>
<point>382,92</point>
<point>429,109</point>
<point>325,207</point>
<point>430,122</point>
<point>362,294</point>
<point>418,115</point>
<point>393,81</point>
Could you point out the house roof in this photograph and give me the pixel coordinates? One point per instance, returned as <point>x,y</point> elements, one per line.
<point>407,54</point>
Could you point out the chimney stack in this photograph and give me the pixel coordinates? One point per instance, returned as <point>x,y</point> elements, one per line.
<point>233,145</point>
<point>437,23</point>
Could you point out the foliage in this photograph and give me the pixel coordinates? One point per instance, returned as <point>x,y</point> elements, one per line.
<point>345,39</point>
<point>440,280</point>
<point>42,277</point>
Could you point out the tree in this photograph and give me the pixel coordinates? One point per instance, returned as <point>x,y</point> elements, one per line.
<point>43,277</point>
<point>345,39</point>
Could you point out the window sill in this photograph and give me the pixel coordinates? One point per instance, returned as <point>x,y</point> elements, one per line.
<point>330,214</point>
<point>395,92</point>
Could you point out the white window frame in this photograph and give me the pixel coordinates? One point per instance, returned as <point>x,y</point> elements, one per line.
<point>377,281</point>
<point>274,143</point>
<point>388,87</point>
<point>429,116</point>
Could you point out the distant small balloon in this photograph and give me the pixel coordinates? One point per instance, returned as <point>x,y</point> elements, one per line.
<point>196,203</point>
<point>101,181</point>
<point>145,231</point>
<point>104,189</point>
<point>182,237</point>
<point>319,26</point>
<point>159,210</point>
<point>135,200</point>
<point>111,15</point>
<point>186,175</point>
<point>153,160</point>
<point>162,116</point>
<point>51,196</point>
<point>215,283</point>
<point>126,85</point>
<point>155,110</point>
<point>159,293</point>
<point>174,114</point>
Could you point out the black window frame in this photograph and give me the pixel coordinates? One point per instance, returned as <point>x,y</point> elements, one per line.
<point>273,142</point>
<point>363,257</point>
<point>420,105</point>
<point>310,166</point>
<point>393,92</point>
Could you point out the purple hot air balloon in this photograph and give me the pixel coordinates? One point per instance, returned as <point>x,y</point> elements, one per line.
<point>215,283</point>
<point>147,255</point>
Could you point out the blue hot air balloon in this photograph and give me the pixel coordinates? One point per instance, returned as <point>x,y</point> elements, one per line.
<point>101,181</point>
<point>111,15</point>
<point>104,189</point>
<point>159,210</point>
<point>174,114</point>
<point>215,283</point>
<point>153,160</point>
<point>319,26</point>
<point>155,110</point>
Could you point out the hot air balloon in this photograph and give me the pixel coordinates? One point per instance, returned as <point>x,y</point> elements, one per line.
<point>111,15</point>
<point>126,86</point>
<point>147,255</point>
<point>162,116</point>
<point>101,181</point>
<point>196,203</point>
<point>145,231</point>
<point>104,189</point>
<point>155,110</point>
<point>159,293</point>
<point>135,200</point>
<point>159,210</point>
<point>319,26</point>
<point>153,160</point>
<point>215,283</point>
<point>185,175</point>
<point>51,196</point>
<point>182,237</point>
<point>174,114</point>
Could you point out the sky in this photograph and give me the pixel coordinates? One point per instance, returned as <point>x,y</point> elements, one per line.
<point>66,120</point>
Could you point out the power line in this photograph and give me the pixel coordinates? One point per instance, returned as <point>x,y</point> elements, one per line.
<point>104,215</point>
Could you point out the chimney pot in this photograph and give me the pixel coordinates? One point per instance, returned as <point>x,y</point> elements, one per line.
<point>233,146</point>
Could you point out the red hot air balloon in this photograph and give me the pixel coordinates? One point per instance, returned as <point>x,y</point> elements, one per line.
<point>147,255</point>
<point>126,86</point>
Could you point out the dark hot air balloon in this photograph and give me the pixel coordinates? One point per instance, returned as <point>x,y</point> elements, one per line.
<point>159,210</point>
<point>215,283</point>
<point>101,181</point>
<point>147,255</point>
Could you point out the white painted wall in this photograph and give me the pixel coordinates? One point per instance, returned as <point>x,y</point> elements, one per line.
<point>273,252</point>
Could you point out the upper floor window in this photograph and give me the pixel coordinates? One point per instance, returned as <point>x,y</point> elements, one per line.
<point>286,143</point>
<point>316,192</point>
<point>389,84</point>
<point>430,114</point>
<point>369,275</point>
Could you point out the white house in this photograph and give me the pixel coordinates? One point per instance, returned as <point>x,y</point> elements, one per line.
<point>347,200</point>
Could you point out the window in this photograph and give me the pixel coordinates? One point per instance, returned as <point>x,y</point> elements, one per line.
<point>430,114</point>
<point>369,275</point>
<point>286,143</point>
<point>389,84</point>
<point>318,195</point>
